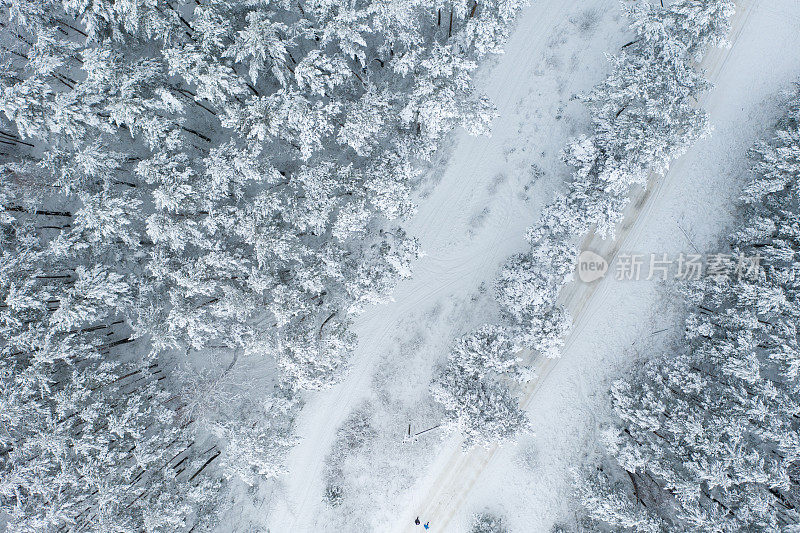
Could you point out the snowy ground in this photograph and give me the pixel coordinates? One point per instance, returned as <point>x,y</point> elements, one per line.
<point>471,217</point>
<point>616,321</point>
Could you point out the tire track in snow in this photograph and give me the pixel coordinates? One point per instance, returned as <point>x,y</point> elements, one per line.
<point>454,261</point>
<point>452,485</point>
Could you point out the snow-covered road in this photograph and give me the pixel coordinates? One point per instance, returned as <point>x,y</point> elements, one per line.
<point>472,215</point>
<point>610,314</point>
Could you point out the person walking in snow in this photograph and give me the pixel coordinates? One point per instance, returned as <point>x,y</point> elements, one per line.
<point>426,525</point>
<point>416,521</point>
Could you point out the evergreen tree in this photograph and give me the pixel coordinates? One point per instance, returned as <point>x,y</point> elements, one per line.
<point>488,523</point>
<point>473,388</point>
<point>708,435</point>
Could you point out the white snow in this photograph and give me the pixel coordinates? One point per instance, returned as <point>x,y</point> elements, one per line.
<point>529,484</point>
<point>471,217</point>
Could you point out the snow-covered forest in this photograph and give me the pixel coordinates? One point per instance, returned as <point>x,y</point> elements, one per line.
<point>707,436</point>
<point>306,265</point>
<point>190,189</point>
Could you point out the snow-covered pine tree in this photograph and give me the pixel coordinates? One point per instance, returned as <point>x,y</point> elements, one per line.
<point>87,437</point>
<point>474,388</point>
<point>487,522</point>
<point>707,437</point>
